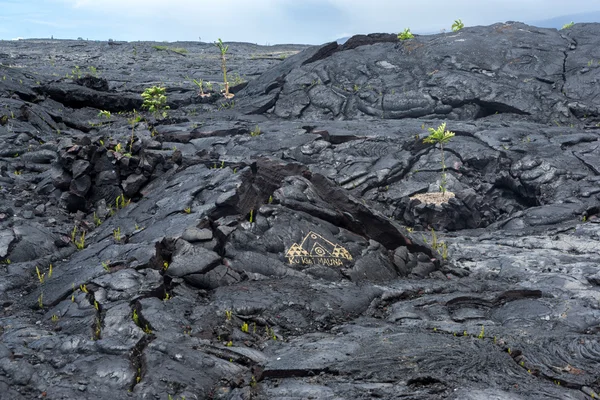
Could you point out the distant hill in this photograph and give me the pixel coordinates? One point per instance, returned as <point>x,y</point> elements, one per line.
<point>558,22</point>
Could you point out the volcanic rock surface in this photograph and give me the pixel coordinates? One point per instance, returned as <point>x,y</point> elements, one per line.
<point>267,246</point>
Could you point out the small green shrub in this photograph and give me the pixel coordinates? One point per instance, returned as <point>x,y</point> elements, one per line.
<point>200,84</point>
<point>406,35</point>
<point>237,79</point>
<point>179,50</point>
<point>155,100</point>
<point>567,26</point>
<point>117,234</point>
<point>223,50</point>
<point>440,136</point>
<point>105,114</point>
<point>457,25</point>
<point>255,132</point>
<point>40,275</point>
<point>75,73</point>
<point>78,242</point>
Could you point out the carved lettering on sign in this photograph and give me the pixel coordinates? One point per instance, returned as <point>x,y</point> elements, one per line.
<point>315,249</point>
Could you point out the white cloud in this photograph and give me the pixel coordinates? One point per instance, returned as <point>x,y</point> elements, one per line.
<point>241,20</point>
<point>220,9</point>
<point>394,15</point>
<point>299,21</point>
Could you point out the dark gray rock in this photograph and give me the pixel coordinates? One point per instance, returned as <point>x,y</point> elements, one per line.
<point>6,238</point>
<point>293,264</point>
<point>80,167</point>
<point>190,259</point>
<point>197,235</point>
<point>40,157</point>
<point>133,184</point>
<point>81,185</point>
<point>400,260</point>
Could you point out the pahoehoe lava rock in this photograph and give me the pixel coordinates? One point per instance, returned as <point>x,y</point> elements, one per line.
<point>269,246</point>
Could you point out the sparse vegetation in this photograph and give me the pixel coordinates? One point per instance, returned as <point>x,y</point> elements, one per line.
<point>97,220</point>
<point>132,121</point>
<point>75,73</point>
<point>255,132</point>
<point>440,136</point>
<point>155,100</point>
<point>105,114</point>
<point>227,105</point>
<point>78,241</point>
<point>237,79</point>
<point>97,329</point>
<point>223,50</point>
<point>40,275</point>
<point>117,234</point>
<point>406,35</point>
<point>121,202</point>
<point>457,25</point>
<point>179,50</point>
<point>200,84</point>
<point>567,26</point>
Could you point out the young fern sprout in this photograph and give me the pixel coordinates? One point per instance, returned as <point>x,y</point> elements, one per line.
<point>200,84</point>
<point>457,25</point>
<point>406,35</point>
<point>155,100</point>
<point>441,136</point>
<point>223,50</point>
<point>568,26</point>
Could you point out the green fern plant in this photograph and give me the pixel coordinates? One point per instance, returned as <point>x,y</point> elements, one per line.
<point>155,100</point>
<point>223,50</point>
<point>105,114</point>
<point>406,35</point>
<point>200,84</point>
<point>255,132</point>
<point>117,234</point>
<point>457,25</point>
<point>440,136</point>
<point>567,26</point>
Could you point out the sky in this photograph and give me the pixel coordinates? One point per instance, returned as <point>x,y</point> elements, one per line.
<point>267,21</point>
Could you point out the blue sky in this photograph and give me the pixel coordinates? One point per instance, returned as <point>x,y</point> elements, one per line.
<point>266,21</point>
